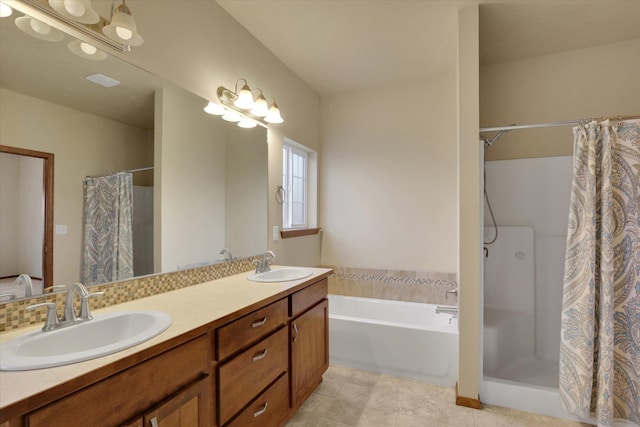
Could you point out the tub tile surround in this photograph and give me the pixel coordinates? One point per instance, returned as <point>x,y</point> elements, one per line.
<point>353,398</point>
<point>399,285</point>
<point>14,315</point>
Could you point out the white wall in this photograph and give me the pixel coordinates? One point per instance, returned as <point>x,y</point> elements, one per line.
<point>535,193</point>
<point>388,177</point>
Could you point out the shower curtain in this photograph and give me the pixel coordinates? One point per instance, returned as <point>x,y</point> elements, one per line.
<point>108,237</point>
<point>600,332</point>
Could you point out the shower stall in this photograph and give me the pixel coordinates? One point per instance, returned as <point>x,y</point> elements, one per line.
<point>522,283</point>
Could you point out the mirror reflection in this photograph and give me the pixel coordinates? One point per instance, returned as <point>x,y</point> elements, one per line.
<point>199,186</point>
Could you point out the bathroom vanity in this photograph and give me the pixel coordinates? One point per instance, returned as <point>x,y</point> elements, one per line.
<point>238,353</point>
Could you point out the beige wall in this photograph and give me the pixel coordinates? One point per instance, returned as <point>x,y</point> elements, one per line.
<point>469,204</point>
<point>212,49</point>
<point>190,180</point>
<point>9,215</point>
<point>388,177</point>
<point>83,144</point>
<point>594,82</point>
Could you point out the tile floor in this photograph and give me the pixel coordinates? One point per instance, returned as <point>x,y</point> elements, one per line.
<point>352,398</point>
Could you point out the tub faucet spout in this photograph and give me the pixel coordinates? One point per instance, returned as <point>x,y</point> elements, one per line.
<point>452,292</point>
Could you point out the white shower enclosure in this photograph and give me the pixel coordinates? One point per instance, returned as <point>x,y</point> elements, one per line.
<point>522,283</point>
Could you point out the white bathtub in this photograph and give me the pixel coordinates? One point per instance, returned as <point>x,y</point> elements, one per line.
<point>393,337</point>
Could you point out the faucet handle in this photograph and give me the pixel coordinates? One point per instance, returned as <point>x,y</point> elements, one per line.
<point>52,314</point>
<point>85,309</point>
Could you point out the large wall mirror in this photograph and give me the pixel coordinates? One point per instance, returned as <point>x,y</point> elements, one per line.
<point>200,184</point>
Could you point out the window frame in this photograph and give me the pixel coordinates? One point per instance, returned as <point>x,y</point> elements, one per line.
<point>289,149</point>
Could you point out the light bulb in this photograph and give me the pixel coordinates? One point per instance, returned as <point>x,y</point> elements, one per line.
<point>40,27</point>
<point>247,123</point>
<point>74,8</point>
<point>231,116</point>
<point>261,108</point>
<point>274,115</point>
<point>245,99</point>
<point>87,48</point>
<point>124,33</point>
<point>214,109</point>
<point>5,10</point>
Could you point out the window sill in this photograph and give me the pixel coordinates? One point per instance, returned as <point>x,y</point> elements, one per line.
<point>286,234</point>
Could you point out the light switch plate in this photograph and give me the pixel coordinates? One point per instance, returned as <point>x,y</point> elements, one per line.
<point>276,232</point>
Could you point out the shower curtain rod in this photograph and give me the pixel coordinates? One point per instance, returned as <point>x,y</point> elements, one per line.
<point>550,124</point>
<point>130,171</point>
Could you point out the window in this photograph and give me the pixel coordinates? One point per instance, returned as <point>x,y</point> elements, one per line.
<point>295,160</point>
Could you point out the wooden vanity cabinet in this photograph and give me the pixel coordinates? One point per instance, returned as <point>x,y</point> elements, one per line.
<point>185,408</point>
<point>252,353</point>
<point>265,374</point>
<point>309,340</point>
<point>164,386</point>
<point>255,370</point>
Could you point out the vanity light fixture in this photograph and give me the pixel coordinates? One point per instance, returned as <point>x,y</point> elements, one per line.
<point>5,10</point>
<point>76,10</point>
<point>87,51</point>
<point>79,19</point>
<point>122,26</point>
<point>39,29</point>
<point>241,107</point>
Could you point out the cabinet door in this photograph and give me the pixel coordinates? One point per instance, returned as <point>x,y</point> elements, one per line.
<point>309,351</point>
<point>189,407</point>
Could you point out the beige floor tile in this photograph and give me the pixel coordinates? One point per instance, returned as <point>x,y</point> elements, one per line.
<point>456,416</point>
<point>409,421</point>
<point>377,418</point>
<point>354,398</point>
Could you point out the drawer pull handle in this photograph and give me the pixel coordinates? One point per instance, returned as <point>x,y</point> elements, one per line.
<point>260,355</point>
<point>261,410</point>
<point>295,329</point>
<point>259,323</point>
<point>154,422</point>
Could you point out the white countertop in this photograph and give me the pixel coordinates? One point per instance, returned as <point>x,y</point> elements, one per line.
<point>189,308</point>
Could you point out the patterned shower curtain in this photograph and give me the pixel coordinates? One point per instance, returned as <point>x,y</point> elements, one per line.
<point>108,239</point>
<point>600,332</point>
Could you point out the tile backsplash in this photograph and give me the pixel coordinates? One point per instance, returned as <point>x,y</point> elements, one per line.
<point>14,314</point>
<point>400,285</point>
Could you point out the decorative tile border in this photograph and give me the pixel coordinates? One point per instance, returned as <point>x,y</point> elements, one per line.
<point>14,315</point>
<point>394,279</point>
<point>401,285</point>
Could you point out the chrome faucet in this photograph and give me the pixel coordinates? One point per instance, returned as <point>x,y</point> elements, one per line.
<point>264,264</point>
<point>228,256</point>
<point>26,281</point>
<point>453,291</point>
<point>70,316</point>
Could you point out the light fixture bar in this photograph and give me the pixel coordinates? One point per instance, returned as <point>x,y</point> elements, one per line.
<point>227,98</point>
<point>41,10</point>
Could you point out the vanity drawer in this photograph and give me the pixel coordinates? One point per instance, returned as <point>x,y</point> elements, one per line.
<point>269,409</point>
<point>308,297</point>
<point>250,372</point>
<point>249,328</point>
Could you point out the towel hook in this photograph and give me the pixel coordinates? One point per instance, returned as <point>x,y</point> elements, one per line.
<point>280,194</point>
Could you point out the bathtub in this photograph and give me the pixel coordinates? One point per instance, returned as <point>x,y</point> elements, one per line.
<point>392,337</point>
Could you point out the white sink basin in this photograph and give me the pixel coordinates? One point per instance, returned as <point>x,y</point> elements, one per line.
<point>281,275</point>
<point>105,334</point>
